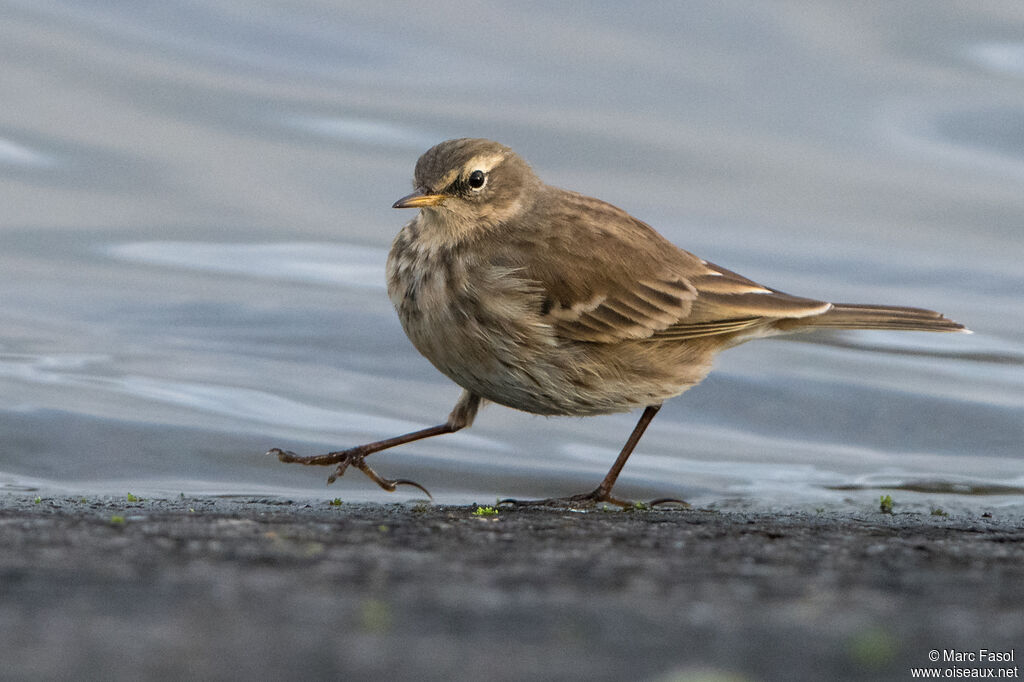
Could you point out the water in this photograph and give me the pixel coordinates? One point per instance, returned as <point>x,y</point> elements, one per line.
<point>196,212</point>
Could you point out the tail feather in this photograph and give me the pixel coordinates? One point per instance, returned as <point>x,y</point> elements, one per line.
<point>858,316</point>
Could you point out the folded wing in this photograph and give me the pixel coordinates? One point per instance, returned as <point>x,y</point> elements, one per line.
<point>628,282</point>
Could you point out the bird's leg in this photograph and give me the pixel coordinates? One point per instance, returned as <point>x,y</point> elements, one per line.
<point>603,492</point>
<point>461,417</point>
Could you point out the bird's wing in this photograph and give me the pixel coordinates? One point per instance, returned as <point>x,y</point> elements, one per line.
<point>607,277</point>
<point>728,302</point>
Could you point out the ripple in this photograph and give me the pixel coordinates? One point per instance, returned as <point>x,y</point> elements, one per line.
<point>14,154</point>
<point>363,130</point>
<point>938,486</point>
<point>234,404</point>
<point>994,129</point>
<point>346,265</point>
<point>983,137</point>
<point>269,409</point>
<point>1002,57</point>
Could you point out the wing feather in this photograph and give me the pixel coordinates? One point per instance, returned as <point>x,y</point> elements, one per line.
<point>606,277</point>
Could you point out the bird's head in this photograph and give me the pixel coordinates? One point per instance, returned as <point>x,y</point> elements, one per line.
<point>471,184</point>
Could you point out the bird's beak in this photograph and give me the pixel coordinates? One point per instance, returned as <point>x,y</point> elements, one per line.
<point>420,197</point>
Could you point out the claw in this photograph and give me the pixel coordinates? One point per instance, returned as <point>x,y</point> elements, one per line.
<point>414,484</point>
<point>460,417</point>
<point>386,483</point>
<point>587,501</point>
<point>669,500</point>
<point>344,459</point>
<point>584,500</point>
<point>340,471</point>
<point>283,455</point>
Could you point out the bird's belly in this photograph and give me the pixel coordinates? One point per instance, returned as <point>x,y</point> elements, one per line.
<point>490,339</point>
<point>505,359</point>
<point>514,364</point>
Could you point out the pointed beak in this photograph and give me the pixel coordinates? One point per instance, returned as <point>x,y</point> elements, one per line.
<point>420,197</point>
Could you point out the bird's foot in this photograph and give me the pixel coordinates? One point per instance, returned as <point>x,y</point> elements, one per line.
<point>354,457</point>
<point>590,501</point>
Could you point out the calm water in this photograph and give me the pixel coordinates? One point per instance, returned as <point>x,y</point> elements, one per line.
<point>195,212</point>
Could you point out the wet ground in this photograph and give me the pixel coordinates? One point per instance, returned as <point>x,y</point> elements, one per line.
<point>214,588</point>
<point>196,210</point>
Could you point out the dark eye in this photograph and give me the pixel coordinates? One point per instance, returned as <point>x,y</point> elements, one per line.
<point>477,179</point>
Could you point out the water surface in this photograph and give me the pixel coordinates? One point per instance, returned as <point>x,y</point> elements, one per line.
<point>196,212</point>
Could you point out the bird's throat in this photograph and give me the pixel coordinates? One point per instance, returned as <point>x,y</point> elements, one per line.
<point>438,228</point>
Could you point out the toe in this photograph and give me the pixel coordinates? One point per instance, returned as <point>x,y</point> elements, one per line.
<point>682,504</point>
<point>283,455</point>
<point>404,481</point>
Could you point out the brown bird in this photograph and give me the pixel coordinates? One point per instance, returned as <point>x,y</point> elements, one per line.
<point>556,303</point>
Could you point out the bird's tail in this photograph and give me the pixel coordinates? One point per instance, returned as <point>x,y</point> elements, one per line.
<point>857,316</point>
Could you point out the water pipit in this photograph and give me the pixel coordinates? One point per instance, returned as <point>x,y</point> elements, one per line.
<point>556,303</point>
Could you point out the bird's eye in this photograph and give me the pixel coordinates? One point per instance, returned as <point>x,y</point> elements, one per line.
<point>477,179</point>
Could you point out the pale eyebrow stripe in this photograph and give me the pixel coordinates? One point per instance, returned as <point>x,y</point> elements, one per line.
<point>484,162</point>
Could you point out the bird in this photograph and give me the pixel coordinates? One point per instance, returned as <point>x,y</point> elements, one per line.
<point>556,303</point>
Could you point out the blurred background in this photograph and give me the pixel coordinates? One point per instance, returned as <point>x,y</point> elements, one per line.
<point>195,213</point>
